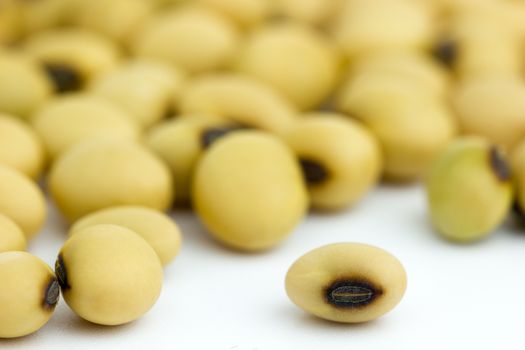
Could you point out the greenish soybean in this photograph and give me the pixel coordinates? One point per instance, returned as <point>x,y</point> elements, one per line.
<point>469,190</point>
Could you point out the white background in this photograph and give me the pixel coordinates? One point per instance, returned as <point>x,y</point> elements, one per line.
<point>458,296</point>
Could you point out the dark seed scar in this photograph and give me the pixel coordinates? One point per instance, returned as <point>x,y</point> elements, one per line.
<point>64,78</point>
<point>351,293</point>
<point>499,164</point>
<point>516,209</point>
<point>314,173</point>
<point>51,295</point>
<point>61,273</point>
<point>210,135</point>
<point>446,51</point>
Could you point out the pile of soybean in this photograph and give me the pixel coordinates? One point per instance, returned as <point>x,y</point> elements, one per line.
<point>252,113</point>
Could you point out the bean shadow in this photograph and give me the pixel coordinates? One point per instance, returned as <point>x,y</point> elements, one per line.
<point>304,321</point>
<point>65,321</point>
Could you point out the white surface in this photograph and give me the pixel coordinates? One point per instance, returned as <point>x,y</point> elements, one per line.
<point>458,297</point>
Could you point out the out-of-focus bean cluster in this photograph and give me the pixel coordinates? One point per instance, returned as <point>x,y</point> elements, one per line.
<point>251,112</point>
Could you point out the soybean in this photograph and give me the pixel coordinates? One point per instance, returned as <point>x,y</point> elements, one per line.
<point>341,159</point>
<point>248,191</point>
<point>346,282</point>
<point>11,236</point>
<point>28,296</point>
<point>99,174</point>
<point>469,190</point>
<point>22,201</point>
<point>20,147</point>
<point>68,120</point>
<point>108,274</point>
<point>155,227</point>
